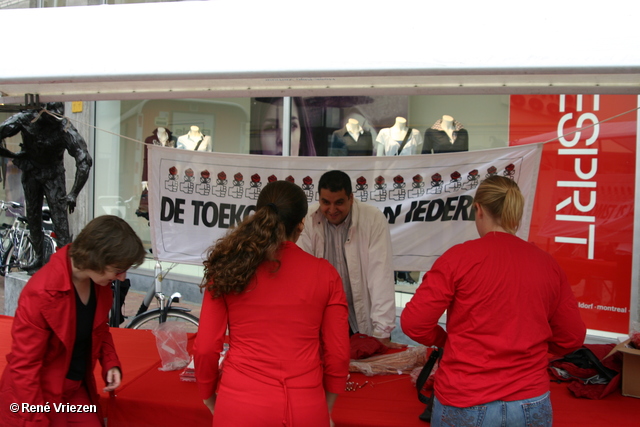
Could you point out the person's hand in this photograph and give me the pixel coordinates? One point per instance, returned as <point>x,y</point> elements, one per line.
<point>70,201</point>
<point>389,344</point>
<point>210,402</point>
<point>114,377</point>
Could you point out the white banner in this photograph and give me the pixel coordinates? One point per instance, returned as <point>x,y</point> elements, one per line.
<point>194,198</point>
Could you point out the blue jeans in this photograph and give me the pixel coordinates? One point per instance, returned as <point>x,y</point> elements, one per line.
<point>535,412</point>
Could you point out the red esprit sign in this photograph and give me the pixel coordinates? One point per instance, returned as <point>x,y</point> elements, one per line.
<point>583,212</point>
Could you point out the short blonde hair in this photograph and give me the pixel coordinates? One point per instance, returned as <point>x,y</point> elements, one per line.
<point>502,199</point>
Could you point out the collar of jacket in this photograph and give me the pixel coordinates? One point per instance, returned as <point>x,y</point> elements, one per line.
<point>59,267</point>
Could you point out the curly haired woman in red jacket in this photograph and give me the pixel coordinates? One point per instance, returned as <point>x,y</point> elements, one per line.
<point>286,314</point>
<point>60,328</point>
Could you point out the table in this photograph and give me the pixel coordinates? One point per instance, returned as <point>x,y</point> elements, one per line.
<point>149,397</point>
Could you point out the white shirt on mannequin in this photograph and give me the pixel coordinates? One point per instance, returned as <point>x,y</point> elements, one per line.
<point>194,139</point>
<point>390,139</point>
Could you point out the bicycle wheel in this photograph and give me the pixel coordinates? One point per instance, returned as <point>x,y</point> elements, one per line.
<point>6,259</point>
<point>49,247</point>
<point>5,239</point>
<point>26,254</point>
<point>151,320</point>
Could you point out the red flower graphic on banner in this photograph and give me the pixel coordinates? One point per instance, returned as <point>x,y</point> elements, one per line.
<point>436,177</point>
<point>189,172</point>
<point>205,174</point>
<point>418,179</point>
<point>361,180</point>
<point>272,178</point>
<point>398,179</point>
<point>238,177</point>
<point>290,179</point>
<point>222,176</point>
<point>255,178</point>
<point>473,174</point>
<point>455,176</point>
<point>492,170</point>
<point>307,180</point>
<point>173,170</point>
<point>510,167</point>
<point>380,180</point>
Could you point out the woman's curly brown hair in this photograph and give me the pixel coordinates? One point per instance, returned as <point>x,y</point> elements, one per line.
<point>232,261</point>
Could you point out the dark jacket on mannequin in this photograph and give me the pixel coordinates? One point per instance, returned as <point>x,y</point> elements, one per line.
<point>343,144</point>
<point>153,140</point>
<point>437,139</point>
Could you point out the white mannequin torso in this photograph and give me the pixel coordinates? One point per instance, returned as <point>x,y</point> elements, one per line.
<point>399,129</point>
<point>354,128</point>
<point>390,140</point>
<point>195,139</point>
<point>447,126</point>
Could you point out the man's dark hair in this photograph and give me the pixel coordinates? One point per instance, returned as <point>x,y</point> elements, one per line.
<point>335,181</point>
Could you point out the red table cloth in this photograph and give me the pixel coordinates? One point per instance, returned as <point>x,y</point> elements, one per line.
<point>149,397</point>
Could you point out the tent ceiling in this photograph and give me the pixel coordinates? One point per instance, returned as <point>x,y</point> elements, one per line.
<point>287,84</point>
<point>230,48</point>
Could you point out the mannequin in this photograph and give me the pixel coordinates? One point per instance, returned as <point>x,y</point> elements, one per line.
<point>159,136</point>
<point>195,132</point>
<point>195,140</point>
<point>447,126</point>
<point>351,140</point>
<point>399,129</point>
<point>390,140</point>
<point>447,135</point>
<point>354,129</point>
<point>163,136</point>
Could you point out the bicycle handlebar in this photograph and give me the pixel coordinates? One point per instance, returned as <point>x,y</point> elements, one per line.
<point>8,206</point>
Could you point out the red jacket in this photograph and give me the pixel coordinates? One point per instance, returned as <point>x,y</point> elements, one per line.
<point>43,333</point>
<point>288,343</point>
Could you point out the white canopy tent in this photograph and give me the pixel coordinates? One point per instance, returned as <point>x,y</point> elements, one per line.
<point>291,48</point>
<point>250,48</point>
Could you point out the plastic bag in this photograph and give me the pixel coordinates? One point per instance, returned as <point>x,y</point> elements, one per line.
<point>171,340</point>
<point>189,373</point>
<point>415,373</point>
<point>398,363</point>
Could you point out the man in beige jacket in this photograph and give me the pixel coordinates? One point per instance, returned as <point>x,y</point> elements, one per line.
<point>354,237</point>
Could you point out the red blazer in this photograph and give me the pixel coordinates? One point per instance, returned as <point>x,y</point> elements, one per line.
<point>43,332</point>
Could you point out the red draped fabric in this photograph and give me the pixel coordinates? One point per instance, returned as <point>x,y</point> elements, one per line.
<point>149,397</point>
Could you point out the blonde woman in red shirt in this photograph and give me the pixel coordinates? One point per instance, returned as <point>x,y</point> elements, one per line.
<point>508,304</point>
<point>286,314</point>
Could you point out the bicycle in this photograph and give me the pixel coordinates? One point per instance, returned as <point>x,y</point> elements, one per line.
<point>165,312</point>
<point>16,248</point>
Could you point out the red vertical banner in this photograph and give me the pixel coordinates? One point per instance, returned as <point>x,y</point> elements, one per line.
<point>583,212</point>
